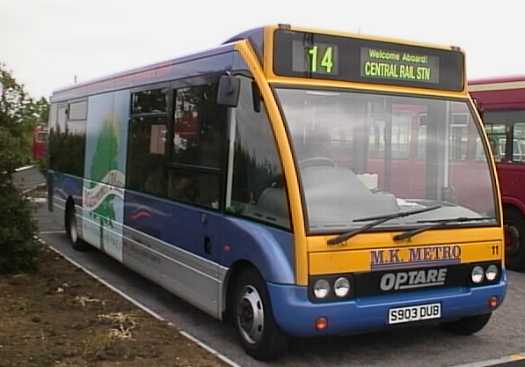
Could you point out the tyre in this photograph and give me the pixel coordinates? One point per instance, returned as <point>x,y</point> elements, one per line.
<point>253,319</point>
<point>514,249</point>
<point>468,325</point>
<point>72,230</point>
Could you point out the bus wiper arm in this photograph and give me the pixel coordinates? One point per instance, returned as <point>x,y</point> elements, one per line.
<point>375,222</point>
<point>436,223</point>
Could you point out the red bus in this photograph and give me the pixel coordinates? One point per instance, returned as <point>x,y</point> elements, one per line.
<point>39,145</point>
<point>501,103</point>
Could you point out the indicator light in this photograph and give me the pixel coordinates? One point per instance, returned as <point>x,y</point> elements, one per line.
<point>321,323</point>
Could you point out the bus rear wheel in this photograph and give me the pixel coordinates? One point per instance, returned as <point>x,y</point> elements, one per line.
<point>468,325</point>
<point>253,318</point>
<point>72,230</point>
<point>514,247</point>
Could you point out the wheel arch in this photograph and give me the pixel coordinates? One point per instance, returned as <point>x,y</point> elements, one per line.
<point>70,205</point>
<point>514,219</point>
<point>230,281</point>
<point>513,204</point>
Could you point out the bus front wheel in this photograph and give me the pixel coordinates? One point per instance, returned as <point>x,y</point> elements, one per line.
<point>72,229</point>
<point>253,318</point>
<point>514,245</point>
<point>468,325</point>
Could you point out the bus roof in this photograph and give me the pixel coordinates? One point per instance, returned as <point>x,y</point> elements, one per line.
<point>497,93</point>
<point>160,72</point>
<point>498,79</point>
<point>132,78</point>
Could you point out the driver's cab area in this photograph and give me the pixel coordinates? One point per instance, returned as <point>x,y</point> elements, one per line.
<point>255,186</point>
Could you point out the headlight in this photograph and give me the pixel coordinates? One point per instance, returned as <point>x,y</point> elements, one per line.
<point>477,274</point>
<point>491,273</point>
<point>321,288</point>
<point>341,287</point>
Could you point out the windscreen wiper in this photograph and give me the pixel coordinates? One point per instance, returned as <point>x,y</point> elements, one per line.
<point>436,223</point>
<point>375,222</point>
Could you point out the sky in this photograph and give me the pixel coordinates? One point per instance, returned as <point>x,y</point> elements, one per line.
<point>47,42</point>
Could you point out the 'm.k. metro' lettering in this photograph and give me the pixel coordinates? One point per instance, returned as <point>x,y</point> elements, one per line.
<point>415,256</point>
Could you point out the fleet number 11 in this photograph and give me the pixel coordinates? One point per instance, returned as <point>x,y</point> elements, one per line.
<point>326,60</point>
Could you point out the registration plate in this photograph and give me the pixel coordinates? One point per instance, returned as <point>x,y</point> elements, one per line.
<point>414,313</point>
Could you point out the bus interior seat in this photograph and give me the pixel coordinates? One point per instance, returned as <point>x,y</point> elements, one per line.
<point>340,192</point>
<point>273,204</point>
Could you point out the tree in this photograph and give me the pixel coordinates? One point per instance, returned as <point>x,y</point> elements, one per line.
<point>19,114</point>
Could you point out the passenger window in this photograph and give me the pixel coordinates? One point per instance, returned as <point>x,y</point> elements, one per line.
<point>196,164</point>
<point>148,143</point>
<point>66,142</point>
<point>150,101</point>
<point>464,140</point>
<point>78,111</point>
<point>199,138</point>
<point>497,134</point>
<point>518,142</point>
<point>257,183</point>
<point>146,168</point>
<point>194,187</point>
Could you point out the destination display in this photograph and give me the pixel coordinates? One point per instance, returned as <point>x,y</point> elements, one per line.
<point>320,56</point>
<point>387,64</point>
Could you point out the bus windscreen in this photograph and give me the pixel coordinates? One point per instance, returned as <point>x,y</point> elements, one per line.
<point>321,56</point>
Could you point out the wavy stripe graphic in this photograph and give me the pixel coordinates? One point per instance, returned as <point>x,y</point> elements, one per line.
<point>112,185</point>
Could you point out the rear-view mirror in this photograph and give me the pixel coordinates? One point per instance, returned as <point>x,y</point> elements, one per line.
<point>228,92</point>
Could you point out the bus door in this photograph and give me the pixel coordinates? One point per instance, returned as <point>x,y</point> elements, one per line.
<point>196,165</point>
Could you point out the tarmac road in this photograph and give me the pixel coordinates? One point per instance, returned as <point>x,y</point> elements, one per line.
<point>416,346</point>
<point>28,178</point>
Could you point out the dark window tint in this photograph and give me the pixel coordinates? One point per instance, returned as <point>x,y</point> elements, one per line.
<point>150,101</point>
<point>258,189</point>
<point>194,187</point>
<point>147,154</point>
<point>199,127</point>
<point>67,140</point>
<point>197,157</point>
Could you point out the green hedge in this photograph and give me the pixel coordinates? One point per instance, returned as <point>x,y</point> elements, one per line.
<point>18,248</point>
<point>19,114</point>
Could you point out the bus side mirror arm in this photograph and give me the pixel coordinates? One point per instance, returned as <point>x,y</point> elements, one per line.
<point>228,91</point>
<point>256,97</point>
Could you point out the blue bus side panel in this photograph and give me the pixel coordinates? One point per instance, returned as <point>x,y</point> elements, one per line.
<point>183,226</point>
<point>177,246</point>
<point>229,239</point>
<point>270,249</point>
<point>147,214</point>
<point>60,187</point>
<point>64,186</point>
<point>105,171</point>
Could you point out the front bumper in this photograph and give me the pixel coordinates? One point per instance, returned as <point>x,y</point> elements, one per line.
<point>296,314</point>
